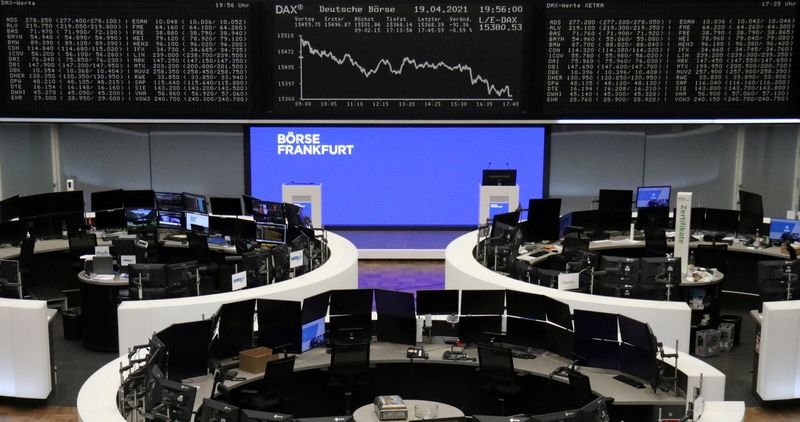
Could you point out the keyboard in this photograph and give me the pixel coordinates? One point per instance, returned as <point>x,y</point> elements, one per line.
<point>519,354</point>
<point>540,253</point>
<point>176,238</point>
<point>630,381</point>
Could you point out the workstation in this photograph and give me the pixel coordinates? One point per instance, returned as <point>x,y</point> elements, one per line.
<point>388,112</point>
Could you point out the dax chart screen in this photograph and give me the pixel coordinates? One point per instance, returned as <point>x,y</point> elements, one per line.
<point>404,58</point>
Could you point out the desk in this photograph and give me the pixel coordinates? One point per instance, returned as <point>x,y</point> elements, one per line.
<point>99,298</point>
<point>25,349</point>
<point>97,397</point>
<point>366,413</point>
<point>723,411</point>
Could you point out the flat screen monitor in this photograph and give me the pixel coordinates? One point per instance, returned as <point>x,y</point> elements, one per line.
<point>268,212</point>
<point>248,204</point>
<point>234,326</point>
<point>183,275</point>
<point>11,232</point>
<point>256,263</point>
<point>279,324</point>
<point>313,335</point>
<point>249,415</point>
<point>653,196</point>
<point>558,313</point>
<point>589,220</point>
<point>149,275</point>
<point>108,220</point>
<point>271,233</point>
<point>169,201</point>
<point>245,229</point>
<point>34,205</point>
<point>640,363</point>
<point>139,198</point>
<point>591,324</point>
<point>350,327</point>
<point>66,202</point>
<point>653,218</point>
<point>636,333</point>
<point>396,317</point>
<point>217,411</point>
<point>221,225</point>
<point>615,200</point>
<point>544,209</point>
<point>177,400</point>
<point>621,269</point>
<point>597,353</point>
<point>749,223</point>
<point>504,221</point>
<point>187,344</point>
<point>140,219</point>
<point>298,214</point>
<point>9,209</point>
<point>698,216</point>
<point>525,305</point>
<point>774,276</point>
<point>526,332</point>
<point>226,206</point>
<point>170,219</point>
<point>560,341</point>
<point>540,230</point>
<point>473,329</point>
<point>660,270</point>
<point>499,177</point>
<point>437,302</point>
<point>784,230</point>
<point>196,222</point>
<point>195,202</point>
<point>351,302</point>
<point>483,302</point>
<point>751,203</point>
<point>719,220</point>
<point>107,200</point>
<point>315,307</point>
<point>436,193</point>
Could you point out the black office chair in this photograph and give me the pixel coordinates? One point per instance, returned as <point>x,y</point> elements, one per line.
<point>209,270</point>
<point>497,371</point>
<point>655,242</point>
<point>80,243</point>
<point>580,389</point>
<point>349,368</point>
<point>270,393</point>
<point>711,256</point>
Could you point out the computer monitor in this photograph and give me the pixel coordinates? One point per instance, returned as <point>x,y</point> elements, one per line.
<point>526,332</point>
<point>234,326</point>
<point>245,229</point>
<point>504,223</point>
<point>599,325</point>
<point>249,415</point>
<point>226,206</point>
<point>751,203</point>
<point>588,220</point>
<point>182,276</point>
<point>195,202</point>
<point>140,219</point>
<point>546,230</point>
<point>351,302</point>
<point>187,346</point>
<point>295,216</point>
<point>473,329</point>
<point>279,324</point>
<point>636,333</point>
<point>499,177</point>
<point>396,317</point>
<point>268,212</point>
<point>698,216</point>
<point>719,220</point>
<point>641,363</point>
<point>107,200</point>
<point>350,327</point>
<point>9,209</point>
<point>653,218</point>
<point>33,205</point>
<point>615,200</point>
<point>544,209</point>
<point>280,262</point>
<point>597,353</point>
<point>653,196</point>
<point>256,263</point>
<point>437,302</point>
<point>149,275</point>
<point>108,220</point>
<point>223,226</point>
<point>248,204</point>
<point>169,201</point>
<point>784,230</point>
<point>11,232</point>
<point>177,401</point>
<point>196,222</point>
<point>66,202</point>
<point>621,269</point>
<point>313,335</point>
<point>750,223</point>
<point>170,219</point>
<point>778,280</point>
<point>660,270</point>
<point>271,233</point>
<point>139,198</point>
<point>558,313</point>
<point>525,305</point>
<point>217,411</point>
<point>482,302</point>
<point>560,341</point>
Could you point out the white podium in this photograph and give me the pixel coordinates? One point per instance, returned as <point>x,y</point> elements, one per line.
<point>308,197</point>
<point>497,200</point>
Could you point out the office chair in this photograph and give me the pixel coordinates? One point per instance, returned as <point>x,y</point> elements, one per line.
<point>580,389</point>
<point>10,280</point>
<point>198,248</point>
<point>497,370</point>
<point>711,256</point>
<point>80,243</point>
<point>349,368</point>
<point>270,393</point>
<point>655,242</point>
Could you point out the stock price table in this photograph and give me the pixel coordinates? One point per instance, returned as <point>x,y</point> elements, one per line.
<point>401,59</point>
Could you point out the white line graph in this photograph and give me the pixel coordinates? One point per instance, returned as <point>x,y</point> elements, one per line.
<point>493,93</point>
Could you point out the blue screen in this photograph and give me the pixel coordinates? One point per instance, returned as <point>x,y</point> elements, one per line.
<point>395,176</point>
<point>784,229</point>
<point>652,196</point>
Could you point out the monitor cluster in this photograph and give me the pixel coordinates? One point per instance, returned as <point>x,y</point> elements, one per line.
<point>47,215</point>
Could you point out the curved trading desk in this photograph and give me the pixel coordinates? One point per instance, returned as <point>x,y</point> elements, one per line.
<point>139,319</point>
<point>97,400</point>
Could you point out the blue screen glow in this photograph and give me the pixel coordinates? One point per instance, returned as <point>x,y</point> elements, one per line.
<point>780,229</point>
<point>652,196</point>
<point>395,176</point>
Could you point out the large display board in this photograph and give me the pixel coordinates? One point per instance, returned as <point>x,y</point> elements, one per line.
<point>399,59</point>
<point>395,176</point>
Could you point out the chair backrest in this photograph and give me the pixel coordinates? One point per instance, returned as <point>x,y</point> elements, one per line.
<point>580,389</point>
<point>198,247</point>
<point>496,363</point>
<point>655,241</point>
<point>278,376</point>
<point>349,360</point>
<point>711,256</point>
<point>81,244</point>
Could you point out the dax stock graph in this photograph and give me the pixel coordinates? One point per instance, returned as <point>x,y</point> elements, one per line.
<point>404,58</point>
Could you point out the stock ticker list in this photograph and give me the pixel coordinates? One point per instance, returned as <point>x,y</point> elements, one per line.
<point>401,58</point>
<point>619,57</point>
<point>132,58</point>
